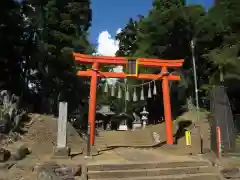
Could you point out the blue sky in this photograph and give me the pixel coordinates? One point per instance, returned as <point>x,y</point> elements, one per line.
<point>110,15</point>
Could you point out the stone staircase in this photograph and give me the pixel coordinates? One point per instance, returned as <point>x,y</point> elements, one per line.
<point>184,170</point>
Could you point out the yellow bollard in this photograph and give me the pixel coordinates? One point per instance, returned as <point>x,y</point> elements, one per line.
<point>188,138</point>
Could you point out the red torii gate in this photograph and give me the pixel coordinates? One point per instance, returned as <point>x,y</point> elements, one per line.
<point>94,73</point>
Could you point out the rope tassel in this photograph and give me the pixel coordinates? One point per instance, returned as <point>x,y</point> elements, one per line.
<point>155,89</point>
<point>142,94</point>
<point>113,90</point>
<point>119,92</point>
<point>134,95</point>
<point>106,87</point>
<point>127,94</point>
<point>149,91</point>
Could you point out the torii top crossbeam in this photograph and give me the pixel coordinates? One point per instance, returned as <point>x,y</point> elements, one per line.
<point>123,61</point>
<point>144,62</point>
<point>94,73</point>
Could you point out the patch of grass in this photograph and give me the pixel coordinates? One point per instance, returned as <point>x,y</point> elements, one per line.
<point>238,139</point>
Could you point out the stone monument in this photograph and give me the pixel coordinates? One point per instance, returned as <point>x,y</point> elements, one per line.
<point>61,148</point>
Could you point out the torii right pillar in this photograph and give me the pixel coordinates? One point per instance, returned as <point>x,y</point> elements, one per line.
<point>167,107</point>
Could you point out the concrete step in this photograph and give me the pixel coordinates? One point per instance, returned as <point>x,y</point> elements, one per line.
<point>149,165</point>
<point>200,176</point>
<point>149,172</point>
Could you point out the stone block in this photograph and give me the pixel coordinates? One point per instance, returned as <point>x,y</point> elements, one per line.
<point>61,152</point>
<point>69,170</point>
<point>20,153</point>
<point>53,171</point>
<point>46,174</point>
<point>47,171</point>
<point>4,155</point>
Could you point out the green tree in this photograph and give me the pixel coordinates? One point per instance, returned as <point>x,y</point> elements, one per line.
<point>166,33</point>
<point>11,32</point>
<point>127,39</point>
<point>224,57</point>
<point>61,27</point>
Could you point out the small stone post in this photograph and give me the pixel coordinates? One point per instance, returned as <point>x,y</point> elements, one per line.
<point>61,148</point>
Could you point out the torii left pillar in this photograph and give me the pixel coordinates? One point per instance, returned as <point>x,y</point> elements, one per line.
<point>92,102</point>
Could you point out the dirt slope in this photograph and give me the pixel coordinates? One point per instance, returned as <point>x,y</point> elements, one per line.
<point>42,135</point>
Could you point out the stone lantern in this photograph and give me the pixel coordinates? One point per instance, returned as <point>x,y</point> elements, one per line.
<point>144,117</point>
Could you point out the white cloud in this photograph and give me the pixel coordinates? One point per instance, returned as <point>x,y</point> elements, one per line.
<point>108,46</point>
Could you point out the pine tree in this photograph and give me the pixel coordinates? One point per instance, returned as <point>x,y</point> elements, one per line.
<point>127,39</point>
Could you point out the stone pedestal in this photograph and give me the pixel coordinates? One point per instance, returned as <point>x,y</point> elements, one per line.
<point>61,152</point>
<point>144,118</point>
<point>144,124</point>
<point>137,125</point>
<point>93,151</point>
<point>122,127</point>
